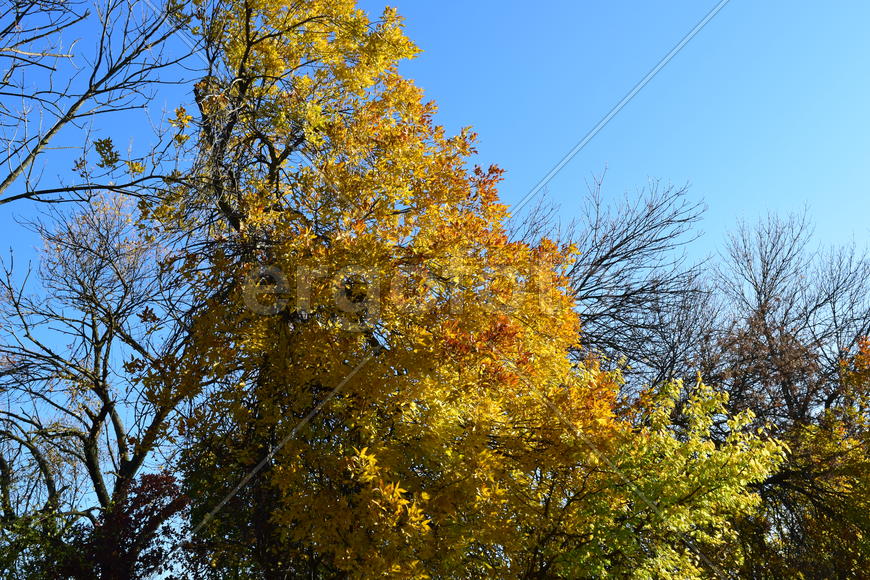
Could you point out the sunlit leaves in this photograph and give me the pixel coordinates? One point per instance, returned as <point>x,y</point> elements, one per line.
<point>358,242</point>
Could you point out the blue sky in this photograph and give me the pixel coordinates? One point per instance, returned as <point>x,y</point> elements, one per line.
<point>766,109</point>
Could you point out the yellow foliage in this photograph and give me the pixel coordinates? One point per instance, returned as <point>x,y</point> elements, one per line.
<point>466,441</point>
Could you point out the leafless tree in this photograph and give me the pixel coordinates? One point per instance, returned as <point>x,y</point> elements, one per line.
<point>63,65</point>
<point>637,295</point>
<point>89,380</point>
<point>794,313</point>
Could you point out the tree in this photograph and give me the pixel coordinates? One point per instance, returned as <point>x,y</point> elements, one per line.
<point>319,335</point>
<point>632,284</point>
<point>777,325</point>
<point>53,88</point>
<point>637,295</point>
<point>391,389</point>
<point>89,379</point>
<point>792,330</point>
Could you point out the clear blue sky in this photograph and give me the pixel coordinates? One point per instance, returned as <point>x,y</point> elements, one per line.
<point>767,108</point>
